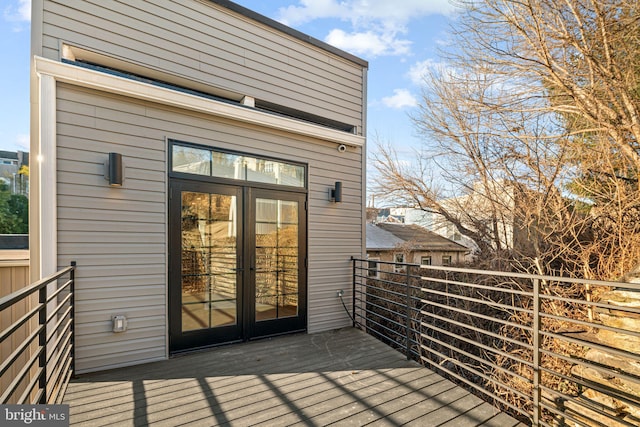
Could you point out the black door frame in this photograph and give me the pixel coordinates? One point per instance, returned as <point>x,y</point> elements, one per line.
<point>298,323</point>
<point>246,328</point>
<point>178,340</point>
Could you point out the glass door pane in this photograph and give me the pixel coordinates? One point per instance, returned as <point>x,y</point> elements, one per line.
<point>209,227</point>
<point>277,259</point>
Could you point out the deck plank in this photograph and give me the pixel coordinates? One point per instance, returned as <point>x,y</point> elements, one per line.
<point>342,377</point>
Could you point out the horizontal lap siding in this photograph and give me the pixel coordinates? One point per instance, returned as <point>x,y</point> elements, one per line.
<point>205,43</point>
<point>118,235</point>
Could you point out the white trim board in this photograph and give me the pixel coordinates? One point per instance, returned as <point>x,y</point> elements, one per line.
<point>84,77</point>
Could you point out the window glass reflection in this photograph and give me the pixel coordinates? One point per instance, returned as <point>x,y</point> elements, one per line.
<point>231,166</point>
<point>191,160</point>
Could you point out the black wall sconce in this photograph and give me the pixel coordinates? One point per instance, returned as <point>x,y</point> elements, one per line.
<point>114,170</point>
<point>335,194</point>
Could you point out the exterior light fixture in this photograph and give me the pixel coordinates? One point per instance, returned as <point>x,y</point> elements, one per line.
<point>114,170</point>
<point>335,194</point>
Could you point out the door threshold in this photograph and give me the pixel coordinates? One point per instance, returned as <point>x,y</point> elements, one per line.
<point>184,352</point>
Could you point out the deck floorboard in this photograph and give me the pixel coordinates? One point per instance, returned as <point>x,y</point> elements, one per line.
<point>342,377</point>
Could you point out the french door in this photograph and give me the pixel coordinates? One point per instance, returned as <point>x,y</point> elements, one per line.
<point>237,263</point>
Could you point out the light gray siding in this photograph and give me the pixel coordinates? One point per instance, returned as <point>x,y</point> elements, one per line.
<point>119,236</point>
<point>204,43</point>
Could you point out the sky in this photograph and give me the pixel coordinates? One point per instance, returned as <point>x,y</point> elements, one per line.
<point>399,39</point>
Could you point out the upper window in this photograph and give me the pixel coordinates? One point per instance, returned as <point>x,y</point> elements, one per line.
<point>446,259</point>
<point>425,260</point>
<point>373,267</point>
<point>398,258</point>
<point>209,162</point>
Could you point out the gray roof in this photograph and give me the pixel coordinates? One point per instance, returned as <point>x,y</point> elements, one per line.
<point>388,236</point>
<point>379,239</point>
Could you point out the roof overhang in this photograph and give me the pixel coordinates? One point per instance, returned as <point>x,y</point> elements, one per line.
<point>80,76</point>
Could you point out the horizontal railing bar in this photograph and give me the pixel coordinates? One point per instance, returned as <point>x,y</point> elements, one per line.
<point>11,388</point>
<point>568,417</point>
<point>382,326</point>
<point>625,309</point>
<point>477,344</point>
<point>18,323</point>
<point>30,387</point>
<point>597,366</point>
<point>482,316</point>
<point>66,336</point>
<point>67,378</point>
<point>390,320</point>
<point>377,297</point>
<point>63,381</point>
<point>378,288</point>
<point>605,348</point>
<point>584,402</point>
<point>474,371</point>
<point>475,386</point>
<point>16,296</point>
<point>58,291</point>
<point>477,358</point>
<point>54,313</point>
<point>476,286</point>
<point>19,350</point>
<point>375,289</point>
<point>473,328</point>
<point>591,325</point>
<point>476,300</point>
<point>527,276</point>
<point>55,328</point>
<point>609,391</point>
<point>54,376</point>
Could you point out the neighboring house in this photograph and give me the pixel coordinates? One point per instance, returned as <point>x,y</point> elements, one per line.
<point>428,220</point>
<point>11,163</point>
<point>223,131</point>
<point>474,209</point>
<point>402,243</point>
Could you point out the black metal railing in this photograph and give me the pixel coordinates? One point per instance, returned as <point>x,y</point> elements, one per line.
<point>548,350</point>
<point>39,342</point>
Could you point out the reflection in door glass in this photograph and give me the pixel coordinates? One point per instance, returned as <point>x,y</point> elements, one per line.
<point>276,259</point>
<point>209,258</point>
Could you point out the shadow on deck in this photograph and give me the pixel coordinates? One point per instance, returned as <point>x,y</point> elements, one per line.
<point>344,377</point>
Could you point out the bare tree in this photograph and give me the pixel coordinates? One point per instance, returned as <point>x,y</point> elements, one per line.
<point>534,127</point>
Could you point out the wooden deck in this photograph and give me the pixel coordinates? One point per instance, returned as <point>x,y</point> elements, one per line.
<point>342,377</point>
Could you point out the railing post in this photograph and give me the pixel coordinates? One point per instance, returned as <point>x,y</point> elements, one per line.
<point>536,353</point>
<point>408,320</point>
<point>42,343</point>
<point>353,291</point>
<point>72,314</point>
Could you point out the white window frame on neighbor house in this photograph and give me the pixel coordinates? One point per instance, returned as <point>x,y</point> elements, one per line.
<point>447,260</point>
<point>426,260</point>
<point>372,267</point>
<point>396,260</point>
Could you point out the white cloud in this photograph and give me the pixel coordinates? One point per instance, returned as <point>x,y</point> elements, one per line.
<point>19,11</point>
<point>376,25</point>
<point>401,98</point>
<point>422,69</point>
<point>368,43</point>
